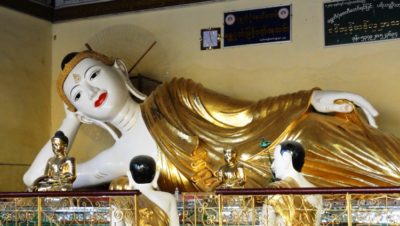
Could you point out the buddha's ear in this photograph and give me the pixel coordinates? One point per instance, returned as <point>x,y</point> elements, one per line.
<point>154,183</point>
<point>119,64</point>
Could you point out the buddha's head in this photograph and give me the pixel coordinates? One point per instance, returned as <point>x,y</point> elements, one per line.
<point>288,156</point>
<point>230,155</point>
<point>93,84</point>
<point>143,169</point>
<point>59,143</point>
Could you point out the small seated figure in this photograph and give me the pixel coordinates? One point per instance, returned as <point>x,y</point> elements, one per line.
<point>156,208</point>
<point>60,172</point>
<point>291,209</point>
<point>232,174</point>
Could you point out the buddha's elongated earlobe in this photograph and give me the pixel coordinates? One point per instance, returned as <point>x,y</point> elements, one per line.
<point>125,76</point>
<point>154,183</point>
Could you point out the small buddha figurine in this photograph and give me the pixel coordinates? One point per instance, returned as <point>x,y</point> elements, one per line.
<point>60,172</point>
<point>232,174</point>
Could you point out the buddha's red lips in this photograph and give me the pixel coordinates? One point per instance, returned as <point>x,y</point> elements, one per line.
<point>100,100</point>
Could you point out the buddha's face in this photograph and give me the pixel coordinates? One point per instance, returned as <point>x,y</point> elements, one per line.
<point>95,89</point>
<point>230,156</point>
<point>281,163</point>
<point>59,146</point>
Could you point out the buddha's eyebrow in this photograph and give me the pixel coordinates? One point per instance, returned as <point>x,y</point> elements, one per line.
<point>84,74</point>
<point>70,93</point>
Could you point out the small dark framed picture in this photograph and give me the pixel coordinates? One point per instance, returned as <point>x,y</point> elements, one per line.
<point>210,38</point>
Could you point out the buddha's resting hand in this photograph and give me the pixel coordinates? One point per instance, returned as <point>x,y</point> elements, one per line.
<point>67,177</point>
<point>327,101</point>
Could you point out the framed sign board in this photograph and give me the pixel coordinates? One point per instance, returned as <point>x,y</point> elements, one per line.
<point>355,21</point>
<point>257,26</point>
<point>210,38</point>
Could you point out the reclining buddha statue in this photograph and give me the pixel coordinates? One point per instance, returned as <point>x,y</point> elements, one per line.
<point>185,128</point>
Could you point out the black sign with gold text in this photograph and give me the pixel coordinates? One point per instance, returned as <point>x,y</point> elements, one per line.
<point>355,21</point>
<point>257,26</point>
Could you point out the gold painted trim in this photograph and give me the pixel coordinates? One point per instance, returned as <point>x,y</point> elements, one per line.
<point>39,204</point>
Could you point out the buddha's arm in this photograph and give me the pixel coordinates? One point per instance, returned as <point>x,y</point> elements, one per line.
<point>241,176</point>
<point>70,127</point>
<point>69,172</point>
<point>220,175</point>
<point>47,170</point>
<point>104,167</point>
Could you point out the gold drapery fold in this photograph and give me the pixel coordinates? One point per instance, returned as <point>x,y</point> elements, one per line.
<point>295,210</point>
<point>150,214</point>
<point>192,125</point>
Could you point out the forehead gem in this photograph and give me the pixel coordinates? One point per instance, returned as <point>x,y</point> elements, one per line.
<point>77,78</point>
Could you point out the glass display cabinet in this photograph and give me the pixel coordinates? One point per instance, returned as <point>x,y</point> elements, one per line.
<point>340,206</point>
<point>67,208</point>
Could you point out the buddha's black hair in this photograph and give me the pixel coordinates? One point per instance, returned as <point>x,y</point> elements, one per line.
<point>297,152</point>
<point>60,134</point>
<point>143,169</point>
<point>67,59</point>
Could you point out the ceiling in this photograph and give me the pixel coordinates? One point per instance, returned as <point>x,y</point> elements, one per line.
<point>61,10</point>
<point>57,4</point>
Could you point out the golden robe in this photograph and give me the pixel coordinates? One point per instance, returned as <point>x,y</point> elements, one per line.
<point>150,214</point>
<point>295,210</point>
<point>192,124</point>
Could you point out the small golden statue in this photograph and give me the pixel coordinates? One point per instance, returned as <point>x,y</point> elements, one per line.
<point>60,169</point>
<point>232,174</point>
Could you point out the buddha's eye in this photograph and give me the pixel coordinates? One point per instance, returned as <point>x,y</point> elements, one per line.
<point>77,96</point>
<point>94,75</point>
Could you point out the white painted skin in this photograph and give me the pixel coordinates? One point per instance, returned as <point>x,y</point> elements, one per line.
<point>282,166</point>
<point>166,201</point>
<point>118,109</point>
<point>324,101</point>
